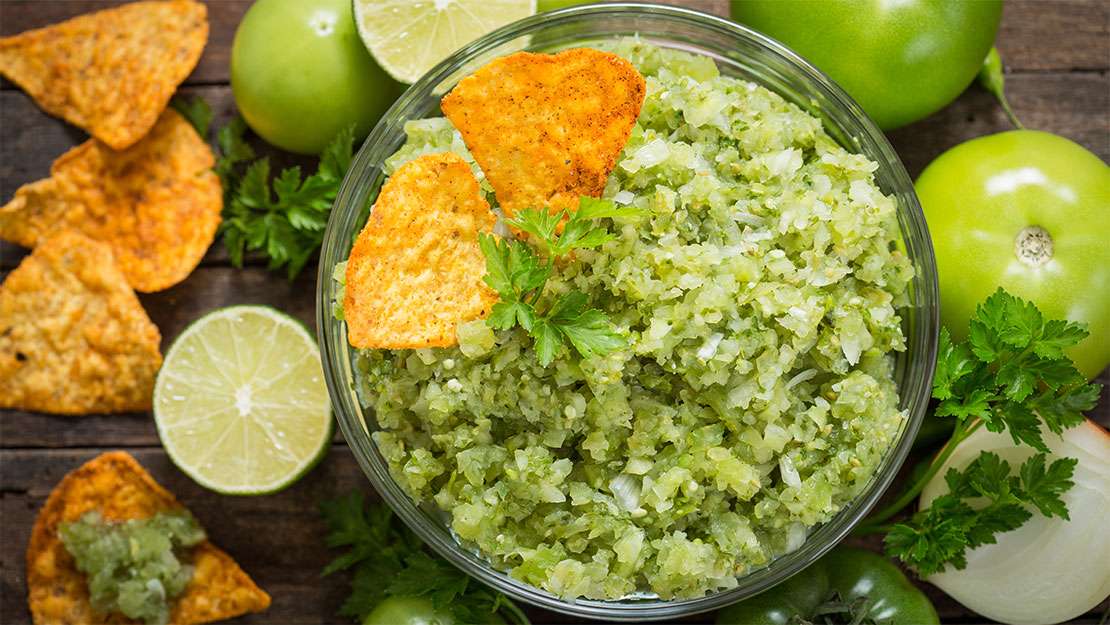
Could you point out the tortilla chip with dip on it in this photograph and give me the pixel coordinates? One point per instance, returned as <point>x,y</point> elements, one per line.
<point>111,72</point>
<point>547,129</point>
<point>157,204</point>
<point>416,269</point>
<point>120,489</point>
<point>74,339</point>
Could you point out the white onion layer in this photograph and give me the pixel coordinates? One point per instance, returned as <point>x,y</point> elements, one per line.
<point>1048,570</point>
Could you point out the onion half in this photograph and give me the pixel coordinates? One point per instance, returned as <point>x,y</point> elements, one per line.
<point>1048,570</point>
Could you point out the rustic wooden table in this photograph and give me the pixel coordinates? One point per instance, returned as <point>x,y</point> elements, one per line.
<point>1059,56</point>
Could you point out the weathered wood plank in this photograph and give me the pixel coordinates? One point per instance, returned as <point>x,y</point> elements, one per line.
<point>1055,36</point>
<point>1073,105</point>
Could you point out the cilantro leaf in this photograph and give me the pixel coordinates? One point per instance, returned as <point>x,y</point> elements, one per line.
<point>538,222</point>
<point>1012,373</point>
<point>580,234</point>
<point>590,334</point>
<point>548,340</point>
<point>1056,335</point>
<point>505,315</point>
<point>953,363</point>
<point>281,218</point>
<point>425,575</point>
<point>498,272</point>
<point>941,534</point>
<point>1022,424</point>
<point>1065,409</point>
<point>1044,486</point>
<point>513,269</point>
<point>590,208</point>
<point>197,112</point>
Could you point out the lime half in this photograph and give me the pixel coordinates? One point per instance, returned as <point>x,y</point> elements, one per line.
<point>408,37</point>
<point>240,402</point>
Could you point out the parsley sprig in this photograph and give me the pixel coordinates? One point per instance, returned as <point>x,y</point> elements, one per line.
<point>1010,375</point>
<point>283,218</point>
<point>519,274</point>
<point>943,532</point>
<point>389,560</point>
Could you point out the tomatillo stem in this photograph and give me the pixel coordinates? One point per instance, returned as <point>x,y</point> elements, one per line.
<point>992,79</point>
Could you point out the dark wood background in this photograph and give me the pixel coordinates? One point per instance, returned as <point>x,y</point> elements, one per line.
<point>1058,56</point>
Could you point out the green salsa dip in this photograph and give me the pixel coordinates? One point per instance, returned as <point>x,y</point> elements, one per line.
<point>759,296</point>
<point>132,567</point>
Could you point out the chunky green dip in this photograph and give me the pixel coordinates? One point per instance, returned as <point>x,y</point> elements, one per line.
<point>759,296</point>
<point>132,567</point>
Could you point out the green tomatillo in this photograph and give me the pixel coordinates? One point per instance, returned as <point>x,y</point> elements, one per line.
<point>902,61</point>
<point>300,74</point>
<point>408,611</point>
<point>1029,212</point>
<point>859,582</point>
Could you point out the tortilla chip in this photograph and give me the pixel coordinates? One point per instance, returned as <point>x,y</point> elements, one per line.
<point>416,269</point>
<point>157,204</point>
<point>110,72</point>
<point>74,339</point>
<point>547,129</point>
<point>116,485</point>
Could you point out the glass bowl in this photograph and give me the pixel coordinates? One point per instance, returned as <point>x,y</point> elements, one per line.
<point>740,52</point>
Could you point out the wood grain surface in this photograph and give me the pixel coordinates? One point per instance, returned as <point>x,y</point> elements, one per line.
<point>1057,55</point>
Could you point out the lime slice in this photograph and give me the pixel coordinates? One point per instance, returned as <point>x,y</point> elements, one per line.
<point>240,402</point>
<point>407,38</point>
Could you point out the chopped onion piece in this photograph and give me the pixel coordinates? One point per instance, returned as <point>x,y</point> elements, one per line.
<point>626,490</point>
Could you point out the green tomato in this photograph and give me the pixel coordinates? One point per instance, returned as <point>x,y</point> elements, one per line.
<point>1029,212</point>
<point>408,611</point>
<point>300,74</point>
<point>901,61</point>
<point>854,574</point>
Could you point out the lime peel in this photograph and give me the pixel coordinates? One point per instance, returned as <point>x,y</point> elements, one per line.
<point>240,402</point>
<point>407,38</point>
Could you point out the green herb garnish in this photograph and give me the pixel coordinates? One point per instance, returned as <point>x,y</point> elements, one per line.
<point>1010,375</point>
<point>197,112</point>
<point>514,270</point>
<point>389,560</point>
<point>282,218</point>
<point>995,375</point>
<point>942,533</point>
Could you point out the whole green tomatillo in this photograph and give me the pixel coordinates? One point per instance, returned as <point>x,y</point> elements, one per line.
<point>863,582</point>
<point>300,74</point>
<point>901,61</point>
<point>1029,212</point>
<point>408,611</point>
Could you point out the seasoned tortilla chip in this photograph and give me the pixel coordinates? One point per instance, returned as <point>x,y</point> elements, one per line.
<point>116,485</point>
<point>547,129</point>
<point>74,339</point>
<point>416,269</point>
<point>157,204</point>
<point>110,72</point>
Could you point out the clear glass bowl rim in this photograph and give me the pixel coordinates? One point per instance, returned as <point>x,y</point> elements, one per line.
<point>922,338</point>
